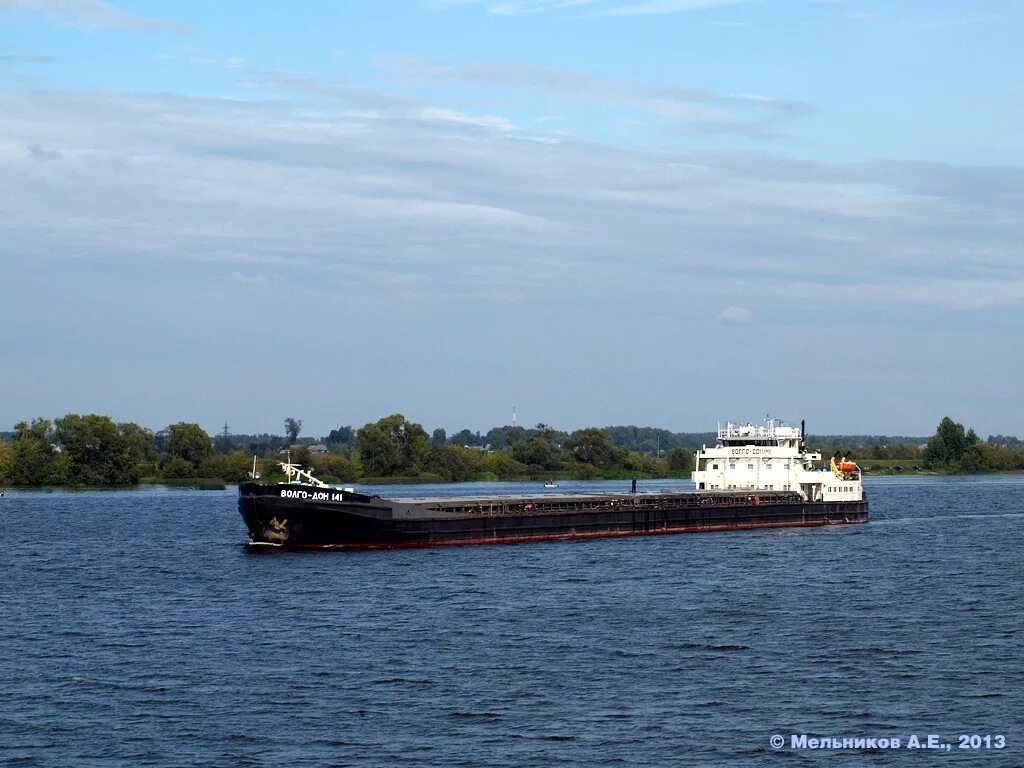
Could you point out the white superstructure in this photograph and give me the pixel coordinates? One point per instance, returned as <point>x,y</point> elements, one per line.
<point>773,458</point>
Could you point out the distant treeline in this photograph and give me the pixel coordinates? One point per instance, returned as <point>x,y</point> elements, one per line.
<point>93,450</point>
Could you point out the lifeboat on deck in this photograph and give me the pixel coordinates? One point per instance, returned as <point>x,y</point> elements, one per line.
<point>843,467</point>
<point>847,466</point>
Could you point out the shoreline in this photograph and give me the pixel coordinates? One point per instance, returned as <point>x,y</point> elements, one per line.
<point>218,484</point>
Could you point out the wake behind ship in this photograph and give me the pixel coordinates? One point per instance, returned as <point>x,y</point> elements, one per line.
<point>755,477</point>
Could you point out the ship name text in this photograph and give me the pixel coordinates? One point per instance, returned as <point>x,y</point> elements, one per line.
<point>289,493</point>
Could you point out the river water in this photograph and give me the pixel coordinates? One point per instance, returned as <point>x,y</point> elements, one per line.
<point>136,630</point>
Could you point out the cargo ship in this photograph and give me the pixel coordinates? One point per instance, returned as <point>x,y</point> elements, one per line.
<point>754,477</point>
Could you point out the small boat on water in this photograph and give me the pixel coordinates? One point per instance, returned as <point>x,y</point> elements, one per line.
<point>754,477</point>
<point>550,484</point>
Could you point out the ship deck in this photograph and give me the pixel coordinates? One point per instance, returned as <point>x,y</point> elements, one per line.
<point>554,504</point>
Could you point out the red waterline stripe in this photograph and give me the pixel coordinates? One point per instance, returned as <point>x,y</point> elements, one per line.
<point>570,536</point>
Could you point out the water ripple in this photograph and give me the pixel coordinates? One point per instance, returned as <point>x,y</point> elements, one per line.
<point>135,630</point>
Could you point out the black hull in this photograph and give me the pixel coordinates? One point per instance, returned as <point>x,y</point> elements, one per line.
<point>331,519</point>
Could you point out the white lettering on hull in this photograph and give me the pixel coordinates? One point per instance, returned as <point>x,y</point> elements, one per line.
<point>291,493</point>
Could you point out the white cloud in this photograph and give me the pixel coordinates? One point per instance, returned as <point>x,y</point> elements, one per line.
<point>374,222</point>
<point>736,316</point>
<point>244,279</point>
<point>95,14</point>
<point>951,294</point>
<point>595,7</point>
<point>747,114</point>
<point>521,7</point>
<point>452,116</point>
<point>465,204</point>
<point>661,7</point>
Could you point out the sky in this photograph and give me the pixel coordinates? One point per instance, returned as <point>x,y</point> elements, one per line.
<point>656,212</point>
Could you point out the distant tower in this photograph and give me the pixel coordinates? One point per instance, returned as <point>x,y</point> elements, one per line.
<point>226,433</point>
<point>513,415</point>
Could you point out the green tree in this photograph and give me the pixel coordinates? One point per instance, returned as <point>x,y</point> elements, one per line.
<point>500,438</point>
<point>947,448</point>
<point>6,456</point>
<point>546,433</point>
<point>98,450</point>
<point>549,435</point>
<point>535,451</point>
<point>188,441</point>
<point>300,455</point>
<point>380,455</point>
<point>1004,441</point>
<point>440,437</point>
<point>514,435</point>
<point>392,446</point>
<point>32,452</point>
<point>231,467</point>
<point>341,435</point>
<point>979,457</point>
<point>503,465</point>
<point>139,439</point>
<point>179,467</point>
<point>238,465</point>
<point>679,460</point>
<point>60,470</point>
<point>643,439</point>
<point>334,468</point>
<point>292,427</point>
<point>453,463</point>
<point>465,437</point>
<point>591,446</point>
<point>633,461</point>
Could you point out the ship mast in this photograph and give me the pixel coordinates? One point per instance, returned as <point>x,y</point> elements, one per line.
<point>296,474</point>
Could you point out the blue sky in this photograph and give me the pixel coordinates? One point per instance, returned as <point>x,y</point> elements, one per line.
<point>664,212</point>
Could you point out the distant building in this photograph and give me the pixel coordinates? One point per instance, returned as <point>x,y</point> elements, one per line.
<point>315,449</point>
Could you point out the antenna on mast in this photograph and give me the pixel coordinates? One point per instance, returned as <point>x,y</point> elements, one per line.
<point>513,414</point>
